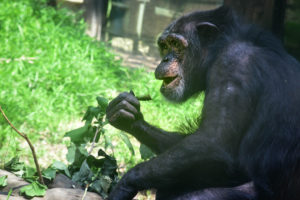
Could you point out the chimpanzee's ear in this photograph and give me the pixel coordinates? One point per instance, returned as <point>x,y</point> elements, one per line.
<point>207,31</point>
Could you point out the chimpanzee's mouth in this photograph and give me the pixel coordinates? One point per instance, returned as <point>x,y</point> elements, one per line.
<point>171,81</point>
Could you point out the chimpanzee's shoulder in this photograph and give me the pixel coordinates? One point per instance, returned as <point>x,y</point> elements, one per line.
<point>238,53</point>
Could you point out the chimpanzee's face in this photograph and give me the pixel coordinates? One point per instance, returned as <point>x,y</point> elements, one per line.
<point>170,71</point>
<point>184,50</point>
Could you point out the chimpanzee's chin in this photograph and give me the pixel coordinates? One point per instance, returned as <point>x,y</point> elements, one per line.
<point>173,95</point>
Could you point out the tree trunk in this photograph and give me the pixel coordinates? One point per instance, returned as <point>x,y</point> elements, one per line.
<point>95,16</point>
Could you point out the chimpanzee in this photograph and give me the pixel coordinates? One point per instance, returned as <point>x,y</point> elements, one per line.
<point>247,145</point>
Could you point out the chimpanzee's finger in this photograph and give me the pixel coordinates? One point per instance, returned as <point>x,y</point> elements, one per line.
<point>121,114</point>
<point>124,96</point>
<point>131,92</point>
<point>125,105</point>
<point>116,100</point>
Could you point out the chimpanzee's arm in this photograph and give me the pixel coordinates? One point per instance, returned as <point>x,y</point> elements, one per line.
<point>123,112</point>
<point>156,139</point>
<point>207,157</point>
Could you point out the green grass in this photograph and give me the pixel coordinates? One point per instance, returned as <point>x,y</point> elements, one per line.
<point>50,71</point>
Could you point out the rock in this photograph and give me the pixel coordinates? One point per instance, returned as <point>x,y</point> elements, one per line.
<point>62,181</point>
<point>13,182</point>
<point>4,197</point>
<point>69,194</point>
<point>58,193</point>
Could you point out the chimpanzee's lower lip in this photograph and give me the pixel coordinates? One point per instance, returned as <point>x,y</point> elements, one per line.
<point>171,82</point>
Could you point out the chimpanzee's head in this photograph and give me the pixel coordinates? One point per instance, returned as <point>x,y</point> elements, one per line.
<point>184,48</point>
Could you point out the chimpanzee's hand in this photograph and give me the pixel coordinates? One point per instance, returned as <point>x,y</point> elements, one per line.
<point>123,111</point>
<point>122,192</point>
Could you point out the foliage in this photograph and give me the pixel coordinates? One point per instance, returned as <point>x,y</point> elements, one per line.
<point>42,62</point>
<point>98,173</point>
<point>3,181</point>
<point>50,71</point>
<point>35,189</point>
<point>29,174</point>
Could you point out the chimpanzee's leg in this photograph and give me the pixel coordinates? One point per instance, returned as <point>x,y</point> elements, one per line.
<point>243,192</point>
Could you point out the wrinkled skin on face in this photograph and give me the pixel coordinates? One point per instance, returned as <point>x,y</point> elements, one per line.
<point>172,48</point>
<point>182,68</point>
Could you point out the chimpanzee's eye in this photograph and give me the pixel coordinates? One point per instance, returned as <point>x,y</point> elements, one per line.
<point>163,48</point>
<point>177,45</point>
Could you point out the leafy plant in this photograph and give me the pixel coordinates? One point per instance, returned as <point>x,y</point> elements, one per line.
<point>98,174</point>
<point>3,181</point>
<point>51,70</point>
<point>35,189</point>
<point>29,174</point>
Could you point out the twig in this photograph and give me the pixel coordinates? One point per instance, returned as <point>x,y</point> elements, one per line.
<point>30,145</point>
<point>94,140</point>
<point>85,191</point>
<point>146,97</point>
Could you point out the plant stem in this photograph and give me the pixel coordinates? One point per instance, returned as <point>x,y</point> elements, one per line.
<point>30,145</point>
<point>85,191</point>
<point>94,139</point>
<point>146,97</point>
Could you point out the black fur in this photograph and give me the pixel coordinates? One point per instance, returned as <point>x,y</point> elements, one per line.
<point>250,124</point>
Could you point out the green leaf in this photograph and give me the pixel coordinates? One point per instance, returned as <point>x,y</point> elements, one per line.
<point>84,174</point>
<point>77,135</point>
<point>102,102</point>
<point>30,174</point>
<point>9,193</point>
<point>108,142</point>
<point>14,165</point>
<point>102,186</point>
<point>90,114</point>
<point>96,186</point>
<point>83,150</point>
<point>71,153</point>
<point>146,153</point>
<point>3,181</point>
<point>105,183</point>
<point>81,135</point>
<point>61,167</point>
<point>34,189</point>
<point>94,162</point>
<point>102,153</point>
<point>126,140</point>
<point>49,173</point>
<point>109,167</point>
<point>67,172</point>
<point>76,155</point>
